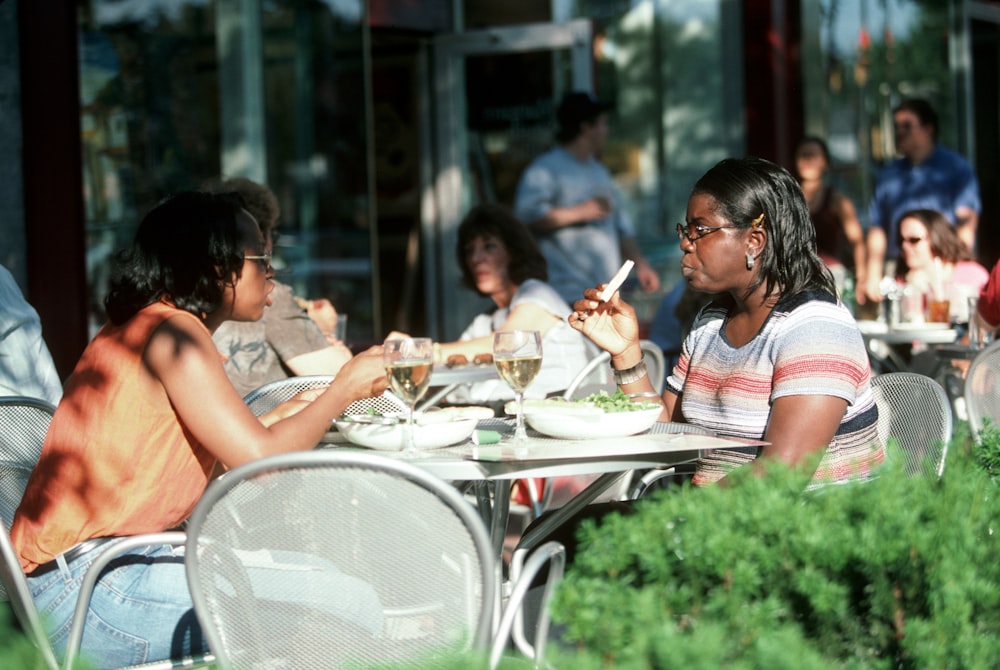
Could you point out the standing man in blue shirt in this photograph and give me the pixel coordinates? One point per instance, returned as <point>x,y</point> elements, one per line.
<point>927,176</point>
<point>569,200</point>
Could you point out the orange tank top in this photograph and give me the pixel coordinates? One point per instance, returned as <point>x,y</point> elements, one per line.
<point>117,459</point>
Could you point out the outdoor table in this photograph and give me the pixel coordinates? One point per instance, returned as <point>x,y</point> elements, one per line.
<point>875,332</point>
<point>950,352</point>
<point>498,465</point>
<point>445,379</point>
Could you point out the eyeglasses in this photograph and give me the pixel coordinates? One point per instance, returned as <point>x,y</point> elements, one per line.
<point>263,260</point>
<point>694,231</point>
<point>912,240</point>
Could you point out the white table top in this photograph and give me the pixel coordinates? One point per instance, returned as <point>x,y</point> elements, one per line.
<point>664,444</point>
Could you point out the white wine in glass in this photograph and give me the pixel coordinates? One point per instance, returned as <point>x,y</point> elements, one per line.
<point>518,357</point>
<point>408,363</point>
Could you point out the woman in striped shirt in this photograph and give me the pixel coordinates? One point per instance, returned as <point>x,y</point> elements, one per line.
<point>775,356</point>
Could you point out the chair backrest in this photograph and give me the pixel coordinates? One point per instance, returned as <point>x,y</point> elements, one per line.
<point>914,409</point>
<point>596,376</point>
<point>982,389</point>
<point>270,395</point>
<point>301,558</point>
<point>23,424</point>
<point>16,589</point>
<point>656,364</point>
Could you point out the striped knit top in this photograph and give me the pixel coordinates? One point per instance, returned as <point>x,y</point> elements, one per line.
<point>809,345</point>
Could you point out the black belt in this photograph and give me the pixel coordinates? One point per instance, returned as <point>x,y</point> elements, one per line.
<point>74,552</point>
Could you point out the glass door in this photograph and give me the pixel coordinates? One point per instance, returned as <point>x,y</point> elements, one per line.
<point>493,104</point>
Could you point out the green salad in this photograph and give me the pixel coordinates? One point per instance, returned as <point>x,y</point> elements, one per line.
<point>619,401</point>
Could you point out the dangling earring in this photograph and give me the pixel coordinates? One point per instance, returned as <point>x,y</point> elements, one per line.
<point>750,261</point>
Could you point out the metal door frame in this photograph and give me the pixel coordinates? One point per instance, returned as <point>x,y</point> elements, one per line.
<point>444,198</point>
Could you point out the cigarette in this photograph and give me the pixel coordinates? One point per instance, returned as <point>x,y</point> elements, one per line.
<point>617,280</point>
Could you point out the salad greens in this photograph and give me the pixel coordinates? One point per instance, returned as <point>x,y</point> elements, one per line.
<point>619,401</point>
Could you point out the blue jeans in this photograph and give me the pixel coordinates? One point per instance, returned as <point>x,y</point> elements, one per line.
<point>141,610</point>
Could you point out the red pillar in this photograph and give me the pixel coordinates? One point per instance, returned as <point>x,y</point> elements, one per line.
<point>53,198</point>
<point>772,72</point>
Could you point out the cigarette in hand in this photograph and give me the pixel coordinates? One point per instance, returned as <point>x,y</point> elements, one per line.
<point>617,280</point>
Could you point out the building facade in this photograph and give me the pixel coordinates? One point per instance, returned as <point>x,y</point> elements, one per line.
<point>379,123</point>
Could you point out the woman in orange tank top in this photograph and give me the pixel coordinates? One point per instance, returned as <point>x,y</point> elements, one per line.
<point>146,417</point>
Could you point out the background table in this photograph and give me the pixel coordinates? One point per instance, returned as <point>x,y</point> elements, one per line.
<point>445,379</point>
<point>885,358</point>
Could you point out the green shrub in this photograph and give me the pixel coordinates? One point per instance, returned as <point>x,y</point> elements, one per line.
<point>900,572</point>
<point>16,651</point>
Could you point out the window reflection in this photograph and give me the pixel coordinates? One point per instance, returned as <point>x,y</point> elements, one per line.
<point>860,59</point>
<point>175,93</point>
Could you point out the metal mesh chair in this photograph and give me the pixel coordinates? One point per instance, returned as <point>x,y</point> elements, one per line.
<point>23,605</point>
<point>23,424</point>
<point>270,395</point>
<point>914,410</point>
<point>324,559</point>
<point>595,375</point>
<point>982,389</point>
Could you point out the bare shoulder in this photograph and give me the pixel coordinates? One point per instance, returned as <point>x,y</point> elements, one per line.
<point>179,338</point>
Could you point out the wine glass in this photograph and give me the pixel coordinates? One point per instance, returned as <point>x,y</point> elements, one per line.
<point>408,362</point>
<point>518,357</point>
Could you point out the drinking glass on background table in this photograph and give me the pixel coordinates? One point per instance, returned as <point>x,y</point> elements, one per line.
<point>518,357</point>
<point>938,311</point>
<point>408,362</point>
<point>979,335</point>
<point>340,330</point>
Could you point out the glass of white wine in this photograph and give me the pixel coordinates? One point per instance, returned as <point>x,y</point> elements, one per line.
<point>408,362</point>
<point>518,357</point>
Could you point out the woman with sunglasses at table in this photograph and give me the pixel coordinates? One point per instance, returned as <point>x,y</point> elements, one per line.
<point>936,264</point>
<point>775,356</point>
<point>144,420</point>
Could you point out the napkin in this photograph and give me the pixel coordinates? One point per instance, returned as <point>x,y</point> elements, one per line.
<point>485,437</point>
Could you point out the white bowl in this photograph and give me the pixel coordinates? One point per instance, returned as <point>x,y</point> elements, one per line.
<point>429,432</point>
<point>454,413</point>
<point>574,424</point>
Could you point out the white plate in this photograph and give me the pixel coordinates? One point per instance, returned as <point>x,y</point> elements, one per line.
<point>578,424</point>
<point>429,432</point>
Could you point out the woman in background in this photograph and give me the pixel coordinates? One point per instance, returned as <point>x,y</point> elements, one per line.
<point>840,240</point>
<point>936,264</point>
<point>500,260</point>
